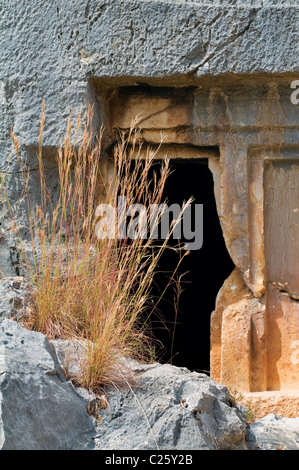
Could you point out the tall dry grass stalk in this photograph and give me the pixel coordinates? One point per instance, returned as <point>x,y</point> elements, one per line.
<point>94,291</point>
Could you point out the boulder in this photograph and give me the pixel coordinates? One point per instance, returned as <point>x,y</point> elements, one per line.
<point>274,433</point>
<point>14,297</point>
<point>39,408</point>
<point>168,408</point>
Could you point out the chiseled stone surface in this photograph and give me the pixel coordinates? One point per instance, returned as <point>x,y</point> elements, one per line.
<point>51,50</point>
<point>280,403</point>
<point>232,290</point>
<point>68,52</point>
<point>168,408</point>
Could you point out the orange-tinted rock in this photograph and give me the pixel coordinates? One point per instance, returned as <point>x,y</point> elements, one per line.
<point>254,328</point>
<point>281,403</point>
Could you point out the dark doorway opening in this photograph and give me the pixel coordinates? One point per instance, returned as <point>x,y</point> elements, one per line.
<point>186,341</point>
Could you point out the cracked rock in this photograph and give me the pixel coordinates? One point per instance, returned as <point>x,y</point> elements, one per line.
<point>39,409</point>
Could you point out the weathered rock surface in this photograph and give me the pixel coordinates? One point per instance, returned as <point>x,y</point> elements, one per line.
<point>238,62</point>
<point>170,407</point>
<point>52,49</point>
<point>280,403</point>
<point>14,297</point>
<point>39,409</point>
<point>274,433</point>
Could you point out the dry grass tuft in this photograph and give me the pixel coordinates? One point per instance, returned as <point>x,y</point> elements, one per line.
<point>96,291</point>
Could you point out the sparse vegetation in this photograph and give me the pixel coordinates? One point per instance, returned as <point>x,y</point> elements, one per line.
<point>249,414</point>
<point>94,291</point>
<point>238,397</point>
<point>235,395</point>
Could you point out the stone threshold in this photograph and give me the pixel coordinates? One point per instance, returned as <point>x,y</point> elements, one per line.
<point>282,403</point>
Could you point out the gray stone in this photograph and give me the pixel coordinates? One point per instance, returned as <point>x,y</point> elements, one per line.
<point>274,433</point>
<point>14,295</point>
<point>240,58</point>
<point>69,354</point>
<point>168,408</point>
<point>171,408</point>
<point>67,52</point>
<point>39,409</point>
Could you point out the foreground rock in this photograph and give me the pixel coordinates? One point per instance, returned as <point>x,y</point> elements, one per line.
<point>274,433</point>
<point>170,408</point>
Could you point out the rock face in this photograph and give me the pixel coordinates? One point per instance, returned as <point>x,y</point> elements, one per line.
<point>53,50</point>
<point>14,297</point>
<point>274,433</point>
<point>279,403</point>
<point>170,407</point>
<point>39,409</point>
<point>206,75</point>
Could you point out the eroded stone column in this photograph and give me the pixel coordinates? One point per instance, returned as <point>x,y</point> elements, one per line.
<point>238,357</point>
